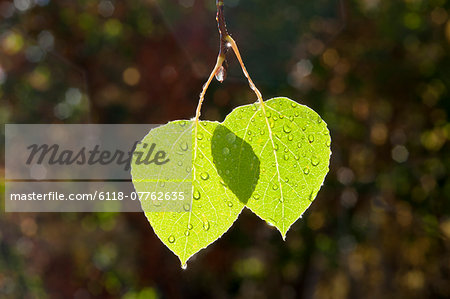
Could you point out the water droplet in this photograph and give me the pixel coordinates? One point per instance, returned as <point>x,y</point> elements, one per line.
<point>220,74</point>
<point>319,120</point>
<point>328,143</point>
<point>182,123</point>
<point>187,233</point>
<point>227,171</point>
<point>306,170</point>
<point>286,157</point>
<point>254,107</point>
<point>171,239</point>
<point>184,266</point>
<point>249,132</point>
<point>190,226</point>
<point>281,116</point>
<point>196,195</point>
<point>199,136</point>
<point>286,129</point>
<point>268,114</point>
<point>230,204</point>
<point>204,176</point>
<point>225,151</point>
<point>256,196</point>
<point>231,137</point>
<point>296,157</point>
<point>315,160</point>
<point>296,114</point>
<point>294,105</point>
<point>184,146</point>
<point>275,118</point>
<point>311,138</point>
<point>290,137</point>
<point>291,118</point>
<point>206,225</point>
<point>281,199</point>
<point>286,180</point>
<point>162,184</point>
<point>180,163</point>
<point>274,187</point>
<point>250,138</point>
<point>186,207</point>
<point>299,145</point>
<point>304,128</point>
<point>275,146</point>
<point>188,169</point>
<point>261,132</point>
<point>272,124</point>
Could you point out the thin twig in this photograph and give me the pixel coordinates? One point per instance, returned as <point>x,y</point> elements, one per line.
<point>219,69</point>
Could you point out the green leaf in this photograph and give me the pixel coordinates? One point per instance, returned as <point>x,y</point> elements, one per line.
<point>211,206</point>
<point>292,143</point>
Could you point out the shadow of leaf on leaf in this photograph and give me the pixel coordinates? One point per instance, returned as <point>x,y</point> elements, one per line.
<point>236,162</point>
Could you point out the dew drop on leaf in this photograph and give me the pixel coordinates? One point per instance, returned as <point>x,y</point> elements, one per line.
<point>230,204</point>
<point>315,160</point>
<point>190,226</point>
<point>206,225</point>
<point>256,196</point>
<point>306,170</point>
<point>231,137</point>
<point>311,138</point>
<point>290,137</point>
<point>184,146</point>
<point>199,136</point>
<point>226,151</point>
<point>196,195</point>
<point>286,129</point>
<point>286,157</point>
<point>204,176</point>
<point>171,239</point>
<point>274,187</point>
<point>186,207</point>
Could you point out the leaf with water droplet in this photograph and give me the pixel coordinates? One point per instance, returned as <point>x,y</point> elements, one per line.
<point>203,215</point>
<point>284,185</point>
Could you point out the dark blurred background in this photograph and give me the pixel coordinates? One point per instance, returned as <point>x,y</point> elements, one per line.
<point>378,71</point>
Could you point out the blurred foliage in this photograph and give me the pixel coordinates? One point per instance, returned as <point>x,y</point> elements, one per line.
<point>378,72</point>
